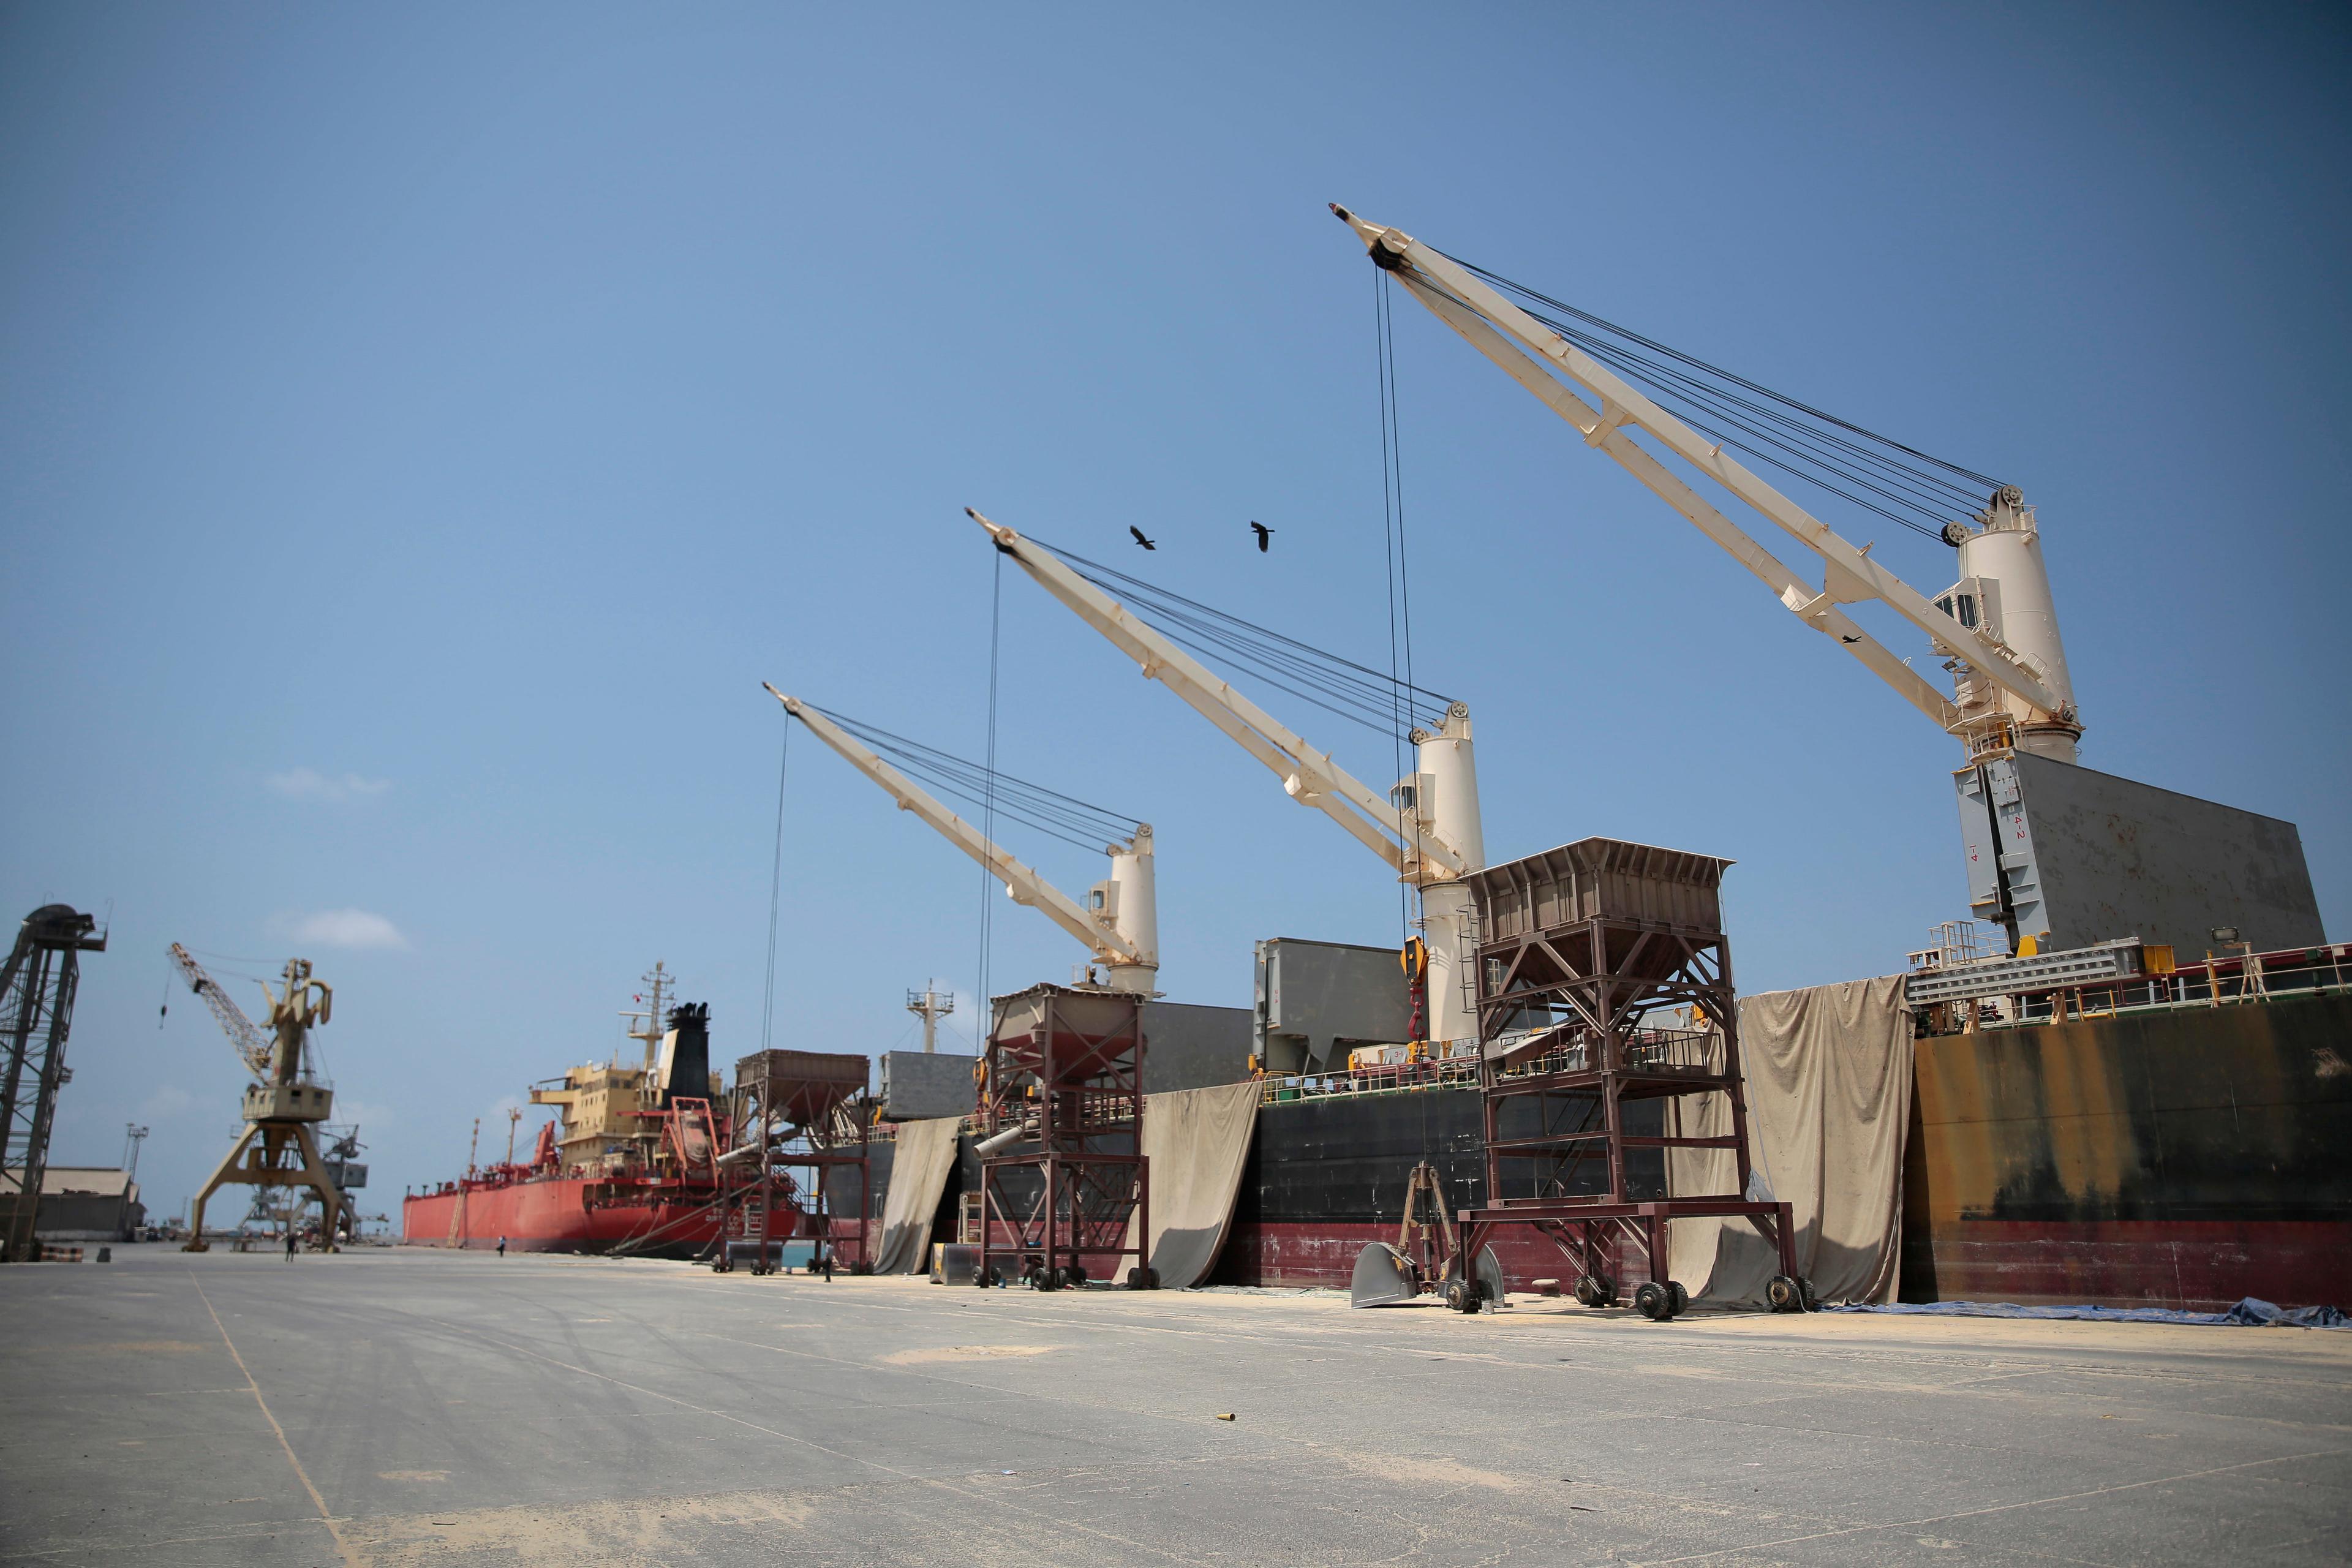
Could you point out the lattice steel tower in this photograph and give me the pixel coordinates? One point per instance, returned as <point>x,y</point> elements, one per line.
<point>36,1012</point>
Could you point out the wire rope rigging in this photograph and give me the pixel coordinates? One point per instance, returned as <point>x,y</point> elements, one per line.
<point>1925,494</point>
<point>1384,703</point>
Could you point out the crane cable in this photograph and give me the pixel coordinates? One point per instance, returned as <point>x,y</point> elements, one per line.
<point>1356,692</point>
<point>1062,816</point>
<point>988,801</point>
<point>775,888</point>
<point>1913,489</point>
<point>1399,591</point>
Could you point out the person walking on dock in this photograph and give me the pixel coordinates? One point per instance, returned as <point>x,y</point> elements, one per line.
<point>502,1247</point>
<point>289,1246</point>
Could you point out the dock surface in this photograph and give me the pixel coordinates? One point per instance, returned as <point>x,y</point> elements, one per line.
<point>401,1407</point>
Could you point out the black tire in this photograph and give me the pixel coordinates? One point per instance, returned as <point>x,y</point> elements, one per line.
<point>1805,1288</point>
<point>1680,1296</point>
<point>1589,1292</point>
<point>1142,1278</point>
<point>1077,1275</point>
<point>1456,1291</point>
<point>1783,1294</point>
<point>1652,1301</point>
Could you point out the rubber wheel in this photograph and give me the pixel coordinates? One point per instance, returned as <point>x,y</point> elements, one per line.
<point>1043,1279</point>
<point>1589,1292</point>
<point>1784,1295</point>
<point>1680,1296</point>
<point>1466,1295</point>
<point>1805,1289</point>
<point>1142,1278</point>
<point>1456,1291</point>
<point>1652,1301</point>
<point>1077,1275</point>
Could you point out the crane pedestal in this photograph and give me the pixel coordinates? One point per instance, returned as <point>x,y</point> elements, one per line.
<point>1062,1083</point>
<point>275,1151</point>
<point>1605,1002</point>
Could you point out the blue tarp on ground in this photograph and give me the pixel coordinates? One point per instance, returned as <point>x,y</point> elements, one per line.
<point>2248,1312</point>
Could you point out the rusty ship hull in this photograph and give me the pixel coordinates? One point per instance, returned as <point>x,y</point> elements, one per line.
<point>567,1213</point>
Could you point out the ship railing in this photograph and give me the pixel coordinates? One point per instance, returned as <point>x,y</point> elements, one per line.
<point>2219,980</point>
<point>1640,1050</point>
<point>1281,1089</point>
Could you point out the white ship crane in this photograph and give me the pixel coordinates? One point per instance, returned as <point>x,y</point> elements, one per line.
<point>1426,828</point>
<point>1996,628</point>
<point>1119,922</point>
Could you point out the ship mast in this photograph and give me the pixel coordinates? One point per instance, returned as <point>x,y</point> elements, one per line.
<point>930,1006</point>
<point>658,982</point>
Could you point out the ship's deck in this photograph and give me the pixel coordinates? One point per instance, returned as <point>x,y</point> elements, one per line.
<point>421,1407</point>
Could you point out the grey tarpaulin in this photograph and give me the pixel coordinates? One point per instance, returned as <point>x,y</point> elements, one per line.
<point>1197,1141</point>
<point>919,1179</point>
<point>1828,1100</point>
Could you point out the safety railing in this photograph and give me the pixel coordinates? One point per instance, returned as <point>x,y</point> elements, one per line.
<point>1282,1089</point>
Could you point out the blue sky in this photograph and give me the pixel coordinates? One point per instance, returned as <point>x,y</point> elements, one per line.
<point>422,429</point>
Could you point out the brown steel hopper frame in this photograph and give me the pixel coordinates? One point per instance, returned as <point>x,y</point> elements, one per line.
<point>804,1108</point>
<point>1593,939</point>
<point>1068,1063</point>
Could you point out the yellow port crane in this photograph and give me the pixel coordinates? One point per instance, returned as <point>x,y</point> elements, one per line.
<point>277,1147</point>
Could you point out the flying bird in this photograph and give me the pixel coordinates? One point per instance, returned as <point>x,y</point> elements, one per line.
<point>1845,638</point>
<point>1147,543</point>
<point>1264,532</point>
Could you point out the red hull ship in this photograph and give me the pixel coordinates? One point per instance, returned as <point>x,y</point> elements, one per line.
<point>551,1212</point>
<point>644,1161</point>
<point>627,1166</point>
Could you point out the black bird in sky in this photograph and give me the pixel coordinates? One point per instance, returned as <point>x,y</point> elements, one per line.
<point>1843,638</point>
<point>1262,533</point>
<point>1147,543</point>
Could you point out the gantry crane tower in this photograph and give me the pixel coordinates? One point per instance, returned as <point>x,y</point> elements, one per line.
<point>278,1147</point>
<point>1120,923</point>
<point>1427,829</point>
<point>37,1004</point>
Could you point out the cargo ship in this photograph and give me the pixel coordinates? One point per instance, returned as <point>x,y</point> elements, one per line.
<point>628,1166</point>
<point>2173,1140</point>
<point>2182,1153</point>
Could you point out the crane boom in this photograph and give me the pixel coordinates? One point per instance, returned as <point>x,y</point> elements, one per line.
<point>1428,828</point>
<point>1530,355</point>
<point>1308,776</point>
<point>252,1045</point>
<point>1133,964</point>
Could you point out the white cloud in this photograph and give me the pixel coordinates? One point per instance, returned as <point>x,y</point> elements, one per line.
<point>342,928</point>
<point>165,1103</point>
<point>310,784</point>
